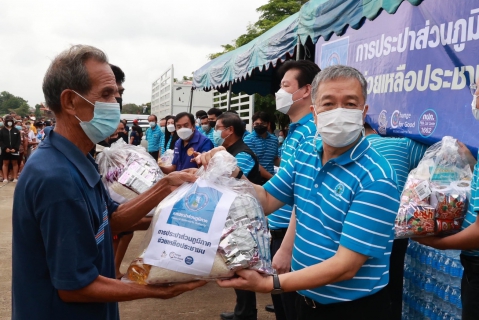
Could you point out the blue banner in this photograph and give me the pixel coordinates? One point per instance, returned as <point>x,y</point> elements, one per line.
<point>419,63</point>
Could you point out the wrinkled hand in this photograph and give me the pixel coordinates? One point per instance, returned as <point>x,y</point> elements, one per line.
<point>175,290</point>
<point>7,150</point>
<point>204,158</point>
<point>190,170</point>
<point>249,280</point>
<point>282,262</point>
<point>177,178</point>
<point>433,241</point>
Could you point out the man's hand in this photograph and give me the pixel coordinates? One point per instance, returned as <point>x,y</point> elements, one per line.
<point>249,280</point>
<point>177,178</point>
<point>204,158</point>
<point>463,150</point>
<point>7,150</point>
<point>433,241</point>
<point>282,261</point>
<point>175,290</point>
<point>12,150</point>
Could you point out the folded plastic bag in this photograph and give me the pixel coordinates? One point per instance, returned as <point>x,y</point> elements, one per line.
<point>205,230</point>
<point>435,197</point>
<point>167,158</point>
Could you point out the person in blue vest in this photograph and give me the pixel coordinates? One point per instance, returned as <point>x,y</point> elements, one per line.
<point>468,239</point>
<point>206,129</point>
<point>62,256</point>
<point>264,144</point>
<point>154,137</point>
<point>190,142</point>
<point>404,155</point>
<point>346,200</point>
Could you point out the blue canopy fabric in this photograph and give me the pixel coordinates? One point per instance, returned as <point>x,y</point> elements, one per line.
<point>250,61</point>
<point>322,18</point>
<point>256,60</point>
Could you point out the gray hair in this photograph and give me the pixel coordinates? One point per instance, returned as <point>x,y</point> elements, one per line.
<point>68,71</point>
<point>337,72</point>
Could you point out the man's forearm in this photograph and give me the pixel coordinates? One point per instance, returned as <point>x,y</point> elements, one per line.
<point>288,240</point>
<point>131,212</point>
<point>264,173</point>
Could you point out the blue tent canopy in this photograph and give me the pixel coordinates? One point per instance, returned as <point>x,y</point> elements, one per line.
<point>250,68</point>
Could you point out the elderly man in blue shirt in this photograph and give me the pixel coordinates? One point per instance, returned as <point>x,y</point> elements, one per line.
<point>346,201</point>
<point>63,217</point>
<point>190,143</point>
<point>154,136</point>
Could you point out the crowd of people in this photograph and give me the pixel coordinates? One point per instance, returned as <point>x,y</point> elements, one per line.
<point>328,183</point>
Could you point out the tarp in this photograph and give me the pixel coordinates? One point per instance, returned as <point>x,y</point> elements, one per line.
<point>253,61</point>
<point>322,18</point>
<point>419,64</point>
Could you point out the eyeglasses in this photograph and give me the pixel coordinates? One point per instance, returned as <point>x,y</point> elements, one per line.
<point>473,88</point>
<point>216,127</point>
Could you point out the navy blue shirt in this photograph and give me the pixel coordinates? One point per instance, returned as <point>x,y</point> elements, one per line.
<point>182,158</point>
<point>61,234</point>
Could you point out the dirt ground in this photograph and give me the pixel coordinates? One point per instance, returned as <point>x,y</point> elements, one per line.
<point>204,303</point>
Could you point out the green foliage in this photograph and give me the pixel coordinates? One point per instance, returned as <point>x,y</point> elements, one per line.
<point>38,112</point>
<point>268,104</point>
<point>130,108</point>
<point>9,102</point>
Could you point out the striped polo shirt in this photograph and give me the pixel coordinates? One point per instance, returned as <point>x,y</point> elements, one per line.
<point>266,149</point>
<point>299,132</point>
<point>473,207</point>
<point>162,144</point>
<point>403,154</point>
<point>351,201</point>
<point>245,162</point>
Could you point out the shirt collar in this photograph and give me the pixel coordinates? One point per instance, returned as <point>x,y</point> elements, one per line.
<point>85,164</point>
<point>352,154</point>
<point>301,122</point>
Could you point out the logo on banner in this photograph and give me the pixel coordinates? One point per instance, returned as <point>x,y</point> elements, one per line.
<point>395,119</point>
<point>335,52</point>
<point>401,122</point>
<point>196,201</point>
<point>427,123</point>
<point>382,122</point>
<point>189,260</point>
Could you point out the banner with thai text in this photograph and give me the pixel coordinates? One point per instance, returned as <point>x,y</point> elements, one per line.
<point>419,63</point>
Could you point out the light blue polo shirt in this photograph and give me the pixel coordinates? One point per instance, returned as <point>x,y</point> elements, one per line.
<point>351,201</point>
<point>403,154</point>
<point>153,136</point>
<point>299,132</point>
<point>266,149</point>
<point>245,162</point>
<point>162,143</point>
<point>209,135</point>
<point>473,208</point>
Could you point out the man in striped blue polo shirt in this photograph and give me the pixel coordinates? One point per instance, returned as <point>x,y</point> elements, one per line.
<point>296,79</point>
<point>263,144</point>
<point>206,129</point>
<point>404,155</point>
<point>468,239</point>
<point>346,201</point>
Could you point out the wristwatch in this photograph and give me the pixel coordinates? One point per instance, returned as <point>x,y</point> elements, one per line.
<point>276,285</point>
<point>240,174</point>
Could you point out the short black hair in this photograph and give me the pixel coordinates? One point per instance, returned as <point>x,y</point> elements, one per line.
<point>217,112</point>
<point>183,114</point>
<point>307,71</point>
<point>200,113</point>
<point>153,115</point>
<point>119,74</point>
<point>204,117</point>
<point>232,111</point>
<point>264,116</point>
<point>232,120</point>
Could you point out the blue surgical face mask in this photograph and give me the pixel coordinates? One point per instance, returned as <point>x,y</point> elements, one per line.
<point>217,137</point>
<point>1,124</point>
<point>162,129</point>
<point>152,124</point>
<point>106,117</point>
<point>19,128</point>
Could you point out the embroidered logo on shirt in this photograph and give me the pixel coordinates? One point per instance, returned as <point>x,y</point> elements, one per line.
<point>339,189</point>
<point>101,230</point>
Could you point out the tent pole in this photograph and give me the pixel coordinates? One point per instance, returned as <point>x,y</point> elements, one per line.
<point>191,99</point>
<point>298,49</point>
<point>228,102</point>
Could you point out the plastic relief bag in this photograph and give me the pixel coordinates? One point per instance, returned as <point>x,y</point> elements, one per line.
<point>435,197</point>
<point>205,230</point>
<point>127,170</point>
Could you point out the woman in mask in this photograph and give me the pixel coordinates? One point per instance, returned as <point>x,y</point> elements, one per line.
<point>281,136</point>
<point>10,140</point>
<point>170,133</point>
<point>136,134</point>
<point>23,145</point>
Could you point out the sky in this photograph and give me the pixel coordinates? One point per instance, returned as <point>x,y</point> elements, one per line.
<point>144,38</point>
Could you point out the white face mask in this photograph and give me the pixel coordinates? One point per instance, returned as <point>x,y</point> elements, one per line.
<point>339,127</point>
<point>170,127</point>
<point>184,133</point>
<point>152,124</point>
<point>475,111</point>
<point>284,100</point>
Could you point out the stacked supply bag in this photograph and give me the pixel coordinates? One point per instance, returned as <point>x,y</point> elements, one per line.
<point>432,283</point>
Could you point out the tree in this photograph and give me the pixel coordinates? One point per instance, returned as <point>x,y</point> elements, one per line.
<point>38,112</point>
<point>9,102</point>
<point>130,108</point>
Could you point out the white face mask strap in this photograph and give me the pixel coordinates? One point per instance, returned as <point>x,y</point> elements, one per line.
<point>83,99</point>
